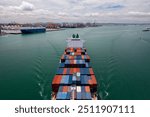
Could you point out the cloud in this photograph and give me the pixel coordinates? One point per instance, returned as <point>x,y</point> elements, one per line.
<point>62,14</point>
<point>139,13</point>
<point>75,10</point>
<point>91,14</point>
<point>74,1</point>
<point>26,6</point>
<point>110,6</point>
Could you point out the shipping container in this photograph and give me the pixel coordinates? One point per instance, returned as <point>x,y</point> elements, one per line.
<point>79,96</point>
<point>74,79</point>
<point>61,96</point>
<point>65,89</point>
<point>91,71</point>
<point>65,79</point>
<point>75,57</point>
<point>59,71</point>
<point>62,65</point>
<point>60,89</point>
<point>88,96</point>
<point>87,89</point>
<point>68,96</point>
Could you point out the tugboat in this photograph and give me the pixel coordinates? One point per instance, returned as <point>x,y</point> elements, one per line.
<point>74,79</point>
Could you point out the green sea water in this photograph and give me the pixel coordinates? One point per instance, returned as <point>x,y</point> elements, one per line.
<point>120,57</point>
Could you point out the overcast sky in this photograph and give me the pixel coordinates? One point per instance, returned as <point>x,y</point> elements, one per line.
<point>105,11</point>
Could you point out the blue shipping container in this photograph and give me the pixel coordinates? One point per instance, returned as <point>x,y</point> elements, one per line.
<point>61,95</point>
<point>70,79</point>
<point>79,95</point>
<point>83,89</point>
<point>86,64</point>
<point>67,62</point>
<point>60,88</point>
<point>59,71</point>
<point>62,80</point>
<point>83,95</point>
<point>68,95</point>
<point>82,79</point>
<point>74,79</point>
<point>65,79</point>
<point>86,79</point>
<point>68,70</point>
<point>88,96</point>
<point>61,65</point>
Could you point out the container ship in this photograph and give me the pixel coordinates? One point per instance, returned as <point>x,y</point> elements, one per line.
<point>29,30</point>
<point>74,79</point>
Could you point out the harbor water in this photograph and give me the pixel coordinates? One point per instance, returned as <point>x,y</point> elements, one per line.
<point>120,58</point>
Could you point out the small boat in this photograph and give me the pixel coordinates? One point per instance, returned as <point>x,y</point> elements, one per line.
<point>145,30</point>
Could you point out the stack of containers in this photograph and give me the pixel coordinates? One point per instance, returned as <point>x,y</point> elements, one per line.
<point>83,93</point>
<point>74,78</point>
<point>74,64</point>
<point>77,57</point>
<point>63,93</point>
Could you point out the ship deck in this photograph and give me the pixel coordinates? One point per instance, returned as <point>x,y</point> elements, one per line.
<point>75,78</point>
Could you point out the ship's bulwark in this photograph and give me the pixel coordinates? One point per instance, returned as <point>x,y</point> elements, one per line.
<point>74,79</point>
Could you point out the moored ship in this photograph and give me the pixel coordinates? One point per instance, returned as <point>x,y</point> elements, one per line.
<point>74,79</point>
<point>29,30</point>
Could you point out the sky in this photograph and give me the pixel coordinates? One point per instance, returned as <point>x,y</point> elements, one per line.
<point>101,11</point>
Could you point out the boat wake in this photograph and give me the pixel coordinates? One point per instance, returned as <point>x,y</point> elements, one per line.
<point>40,78</point>
<point>107,75</point>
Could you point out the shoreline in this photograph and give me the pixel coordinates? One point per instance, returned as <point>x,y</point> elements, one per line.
<point>5,32</point>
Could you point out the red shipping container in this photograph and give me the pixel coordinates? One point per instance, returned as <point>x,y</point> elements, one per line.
<point>87,89</point>
<point>79,50</point>
<point>65,89</point>
<point>77,53</point>
<point>59,77</point>
<point>74,70</point>
<point>71,70</point>
<point>71,50</point>
<point>55,79</point>
<point>91,71</point>
<point>65,71</point>
<point>78,69</point>
<point>56,83</point>
<point>93,79</point>
<point>90,82</point>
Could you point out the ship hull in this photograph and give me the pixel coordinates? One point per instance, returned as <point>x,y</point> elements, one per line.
<point>30,31</point>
